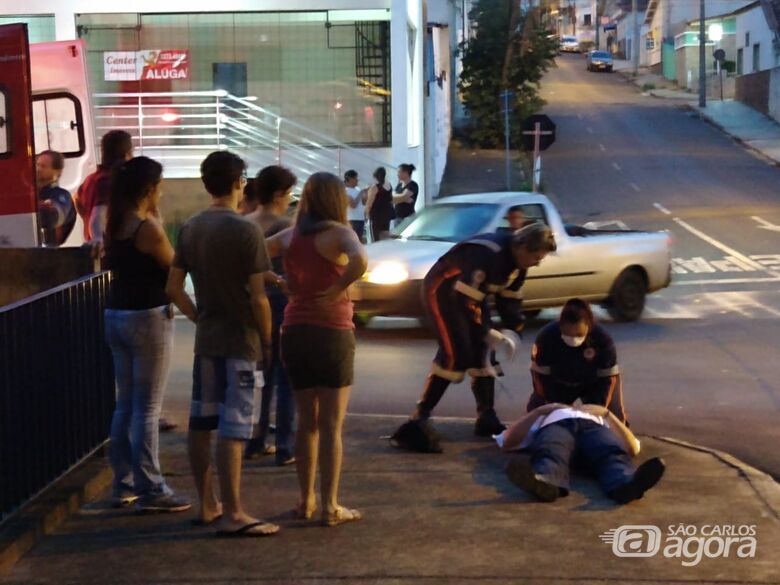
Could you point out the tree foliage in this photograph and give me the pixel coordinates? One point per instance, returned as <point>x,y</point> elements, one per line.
<point>522,53</point>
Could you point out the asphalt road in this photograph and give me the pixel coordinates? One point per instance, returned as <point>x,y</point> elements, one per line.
<point>702,364</point>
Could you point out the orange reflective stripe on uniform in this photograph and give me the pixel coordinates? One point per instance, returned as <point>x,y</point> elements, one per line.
<point>439,320</point>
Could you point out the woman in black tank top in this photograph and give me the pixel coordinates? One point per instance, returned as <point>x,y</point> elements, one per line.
<point>379,206</point>
<point>139,330</point>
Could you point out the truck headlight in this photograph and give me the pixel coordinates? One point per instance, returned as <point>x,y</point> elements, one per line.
<point>388,273</point>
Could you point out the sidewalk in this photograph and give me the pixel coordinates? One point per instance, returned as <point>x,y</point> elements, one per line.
<point>433,519</point>
<point>750,127</point>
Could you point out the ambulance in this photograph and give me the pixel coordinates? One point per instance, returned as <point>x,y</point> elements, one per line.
<point>45,104</point>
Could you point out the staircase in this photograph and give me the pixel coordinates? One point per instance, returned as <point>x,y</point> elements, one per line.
<point>180,129</point>
<point>372,67</point>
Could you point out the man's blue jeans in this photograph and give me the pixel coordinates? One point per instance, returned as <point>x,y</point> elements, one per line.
<point>276,377</point>
<point>141,344</point>
<point>594,446</point>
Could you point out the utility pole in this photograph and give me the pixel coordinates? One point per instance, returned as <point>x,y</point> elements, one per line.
<point>702,58</point>
<point>635,44</point>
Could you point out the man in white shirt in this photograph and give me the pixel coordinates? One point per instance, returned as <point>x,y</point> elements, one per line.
<point>356,209</point>
<point>554,434</point>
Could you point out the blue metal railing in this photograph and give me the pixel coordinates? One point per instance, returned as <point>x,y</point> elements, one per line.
<point>56,386</point>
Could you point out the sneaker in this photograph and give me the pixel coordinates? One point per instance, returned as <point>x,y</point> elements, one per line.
<point>255,449</point>
<point>646,476</point>
<point>488,424</point>
<point>164,503</point>
<point>521,473</point>
<point>123,501</point>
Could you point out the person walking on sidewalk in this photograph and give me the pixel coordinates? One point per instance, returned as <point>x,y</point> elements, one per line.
<point>225,254</point>
<point>271,194</point>
<point>322,258</point>
<point>456,293</point>
<point>139,330</point>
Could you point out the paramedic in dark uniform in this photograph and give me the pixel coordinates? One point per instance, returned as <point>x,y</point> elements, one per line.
<point>575,358</point>
<point>56,212</point>
<point>456,292</point>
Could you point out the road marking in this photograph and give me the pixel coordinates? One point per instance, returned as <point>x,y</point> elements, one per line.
<point>698,265</point>
<point>765,225</point>
<point>635,187</point>
<point>616,166</point>
<point>589,129</point>
<point>662,209</point>
<point>721,246</point>
<point>602,148</point>
<point>701,282</point>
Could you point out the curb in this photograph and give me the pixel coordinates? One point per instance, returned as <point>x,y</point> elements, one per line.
<point>57,503</point>
<point>745,144</point>
<point>763,484</point>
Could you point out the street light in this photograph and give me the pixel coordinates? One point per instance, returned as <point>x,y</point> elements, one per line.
<point>715,32</point>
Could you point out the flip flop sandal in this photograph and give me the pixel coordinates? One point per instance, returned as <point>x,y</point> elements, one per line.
<point>341,516</point>
<point>202,522</point>
<point>251,530</point>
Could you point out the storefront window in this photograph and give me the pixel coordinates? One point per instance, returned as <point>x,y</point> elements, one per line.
<point>329,71</point>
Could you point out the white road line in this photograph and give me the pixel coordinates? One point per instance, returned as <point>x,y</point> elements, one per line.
<point>703,281</point>
<point>589,129</point>
<point>635,187</point>
<point>602,148</point>
<point>662,209</point>
<point>767,225</point>
<point>727,249</point>
<point>616,166</point>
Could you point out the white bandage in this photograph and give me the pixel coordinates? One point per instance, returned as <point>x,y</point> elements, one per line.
<point>505,341</point>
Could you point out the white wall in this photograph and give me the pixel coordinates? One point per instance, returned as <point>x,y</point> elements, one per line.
<point>406,27</point>
<point>438,111</point>
<point>754,22</point>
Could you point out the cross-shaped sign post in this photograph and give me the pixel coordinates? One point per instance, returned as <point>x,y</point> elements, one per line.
<point>539,134</point>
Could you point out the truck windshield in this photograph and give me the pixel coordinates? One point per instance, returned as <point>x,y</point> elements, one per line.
<point>449,222</point>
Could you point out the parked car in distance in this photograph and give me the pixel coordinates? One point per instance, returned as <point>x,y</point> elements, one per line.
<point>600,61</point>
<point>614,267</point>
<point>569,44</point>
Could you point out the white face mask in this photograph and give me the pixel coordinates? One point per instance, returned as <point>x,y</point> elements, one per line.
<point>572,341</point>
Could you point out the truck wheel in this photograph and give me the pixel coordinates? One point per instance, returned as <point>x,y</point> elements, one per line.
<point>627,299</point>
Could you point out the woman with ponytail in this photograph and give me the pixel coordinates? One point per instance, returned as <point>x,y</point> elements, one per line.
<point>139,330</point>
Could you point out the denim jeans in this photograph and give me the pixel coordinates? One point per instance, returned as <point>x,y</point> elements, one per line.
<point>276,378</point>
<point>594,446</point>
<point>141,344</point>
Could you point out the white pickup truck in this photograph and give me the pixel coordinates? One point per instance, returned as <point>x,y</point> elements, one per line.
<point>614,267</point>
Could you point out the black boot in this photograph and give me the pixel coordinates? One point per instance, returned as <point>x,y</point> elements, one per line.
<point>487,423</point>
<point>418,434</point>
<point>435,387</point>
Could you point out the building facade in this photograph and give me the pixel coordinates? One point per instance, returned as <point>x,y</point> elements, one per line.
<point>351,70</point>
